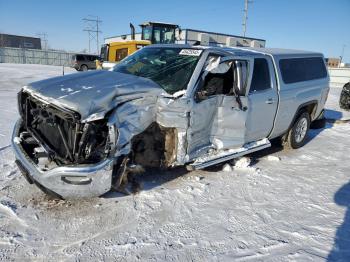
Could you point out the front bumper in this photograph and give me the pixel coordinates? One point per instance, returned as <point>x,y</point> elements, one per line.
<point>69,181</point>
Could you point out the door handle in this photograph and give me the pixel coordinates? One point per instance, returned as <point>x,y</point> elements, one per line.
<point>269,101</point>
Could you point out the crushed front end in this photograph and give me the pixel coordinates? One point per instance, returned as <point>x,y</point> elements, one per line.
<point>59,153</point>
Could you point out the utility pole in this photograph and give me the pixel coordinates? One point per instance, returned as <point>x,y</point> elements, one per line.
<point>92,24</point>
<point>44,41</point>
<point>342,54</point>
<point>245,16</point>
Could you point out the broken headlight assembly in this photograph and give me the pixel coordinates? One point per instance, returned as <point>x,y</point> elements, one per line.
<point>57,135</point>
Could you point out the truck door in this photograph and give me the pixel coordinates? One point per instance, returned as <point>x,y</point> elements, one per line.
<point>201,119</point>
<point>217,119</point>
<point>262,100</point>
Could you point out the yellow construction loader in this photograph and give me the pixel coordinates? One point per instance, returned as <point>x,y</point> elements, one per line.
<point>152,33</point>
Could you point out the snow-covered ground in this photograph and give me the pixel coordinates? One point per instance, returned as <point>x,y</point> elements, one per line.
<point>285,206</point>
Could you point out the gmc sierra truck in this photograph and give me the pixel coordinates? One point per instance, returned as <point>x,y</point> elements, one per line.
<point>79,135</point>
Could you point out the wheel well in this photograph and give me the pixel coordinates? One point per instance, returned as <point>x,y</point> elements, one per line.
<point>309,107</point>
<point>155,147</point>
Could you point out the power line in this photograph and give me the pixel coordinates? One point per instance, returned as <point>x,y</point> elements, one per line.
<point>92,24</point>
<point>245,16</point>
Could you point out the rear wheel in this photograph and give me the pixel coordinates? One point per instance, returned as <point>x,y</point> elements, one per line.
<point>296,137</point>
<point>83,68</point>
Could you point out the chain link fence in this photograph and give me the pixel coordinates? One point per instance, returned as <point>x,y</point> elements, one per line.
<point>34,56</point>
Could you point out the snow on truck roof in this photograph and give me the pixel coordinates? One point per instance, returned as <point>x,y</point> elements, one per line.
<point>275,52</point>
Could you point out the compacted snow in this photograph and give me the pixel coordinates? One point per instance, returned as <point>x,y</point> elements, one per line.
<point>276,206</point>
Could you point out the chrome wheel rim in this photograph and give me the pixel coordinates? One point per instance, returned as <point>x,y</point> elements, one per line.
<point>300,130</point>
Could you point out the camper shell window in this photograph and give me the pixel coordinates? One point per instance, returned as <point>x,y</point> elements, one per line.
<point>295,70</point>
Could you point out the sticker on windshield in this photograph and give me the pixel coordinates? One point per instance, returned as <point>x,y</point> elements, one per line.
<point>191,52</point>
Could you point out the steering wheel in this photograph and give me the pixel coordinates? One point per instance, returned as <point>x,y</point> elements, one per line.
<point>146,61</point>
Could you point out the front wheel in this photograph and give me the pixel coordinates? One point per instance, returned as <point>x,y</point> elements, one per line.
<point>296,137</point>
<point>84,68</point>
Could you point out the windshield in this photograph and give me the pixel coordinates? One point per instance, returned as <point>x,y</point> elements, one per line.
<point>163,35</point>
<point>171,68</point>
<point>147,33</point>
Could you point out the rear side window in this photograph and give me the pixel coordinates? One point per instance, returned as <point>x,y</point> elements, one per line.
<point>261,76</point>
<point>302,69</point>
<point>80,58</point>
<point>91,58</point>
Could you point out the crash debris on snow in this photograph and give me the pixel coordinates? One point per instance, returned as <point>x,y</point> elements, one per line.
<point>227,168</point>
<point>273,158</point>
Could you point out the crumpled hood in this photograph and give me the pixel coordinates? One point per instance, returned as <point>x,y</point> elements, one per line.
<point>93,92</point>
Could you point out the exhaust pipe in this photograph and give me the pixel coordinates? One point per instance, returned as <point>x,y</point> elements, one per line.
<point>132,28</point>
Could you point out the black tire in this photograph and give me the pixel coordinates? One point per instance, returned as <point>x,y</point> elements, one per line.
<point>296,136</point>
<point>84,68</point>
<point>344,101</point>
<point>318,124</point>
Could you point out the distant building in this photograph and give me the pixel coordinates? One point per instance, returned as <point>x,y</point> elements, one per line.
<point>332,62</point>
<point>20,41</point>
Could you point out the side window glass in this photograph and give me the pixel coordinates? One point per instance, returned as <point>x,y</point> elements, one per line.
<point>121,54</point>
<point>261,76</point>
<point>226,78</point>
<point>219,79</point>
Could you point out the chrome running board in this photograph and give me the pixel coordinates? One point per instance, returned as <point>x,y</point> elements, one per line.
<point>225,155</point>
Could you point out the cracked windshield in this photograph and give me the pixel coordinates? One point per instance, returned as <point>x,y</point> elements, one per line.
<point>171,68</point>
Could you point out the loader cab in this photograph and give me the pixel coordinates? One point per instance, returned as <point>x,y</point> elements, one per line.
<point>158,33</point>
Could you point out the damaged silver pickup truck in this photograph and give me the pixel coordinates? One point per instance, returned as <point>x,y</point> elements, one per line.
<point>166,105</point>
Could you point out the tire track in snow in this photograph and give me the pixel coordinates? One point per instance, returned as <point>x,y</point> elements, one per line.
<point>4,147</point>
<point>9,212</point>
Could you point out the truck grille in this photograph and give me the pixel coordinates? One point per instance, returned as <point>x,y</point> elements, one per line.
<point>61,132</point>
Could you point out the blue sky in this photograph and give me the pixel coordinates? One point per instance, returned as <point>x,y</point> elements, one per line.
<point>317,25</point>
